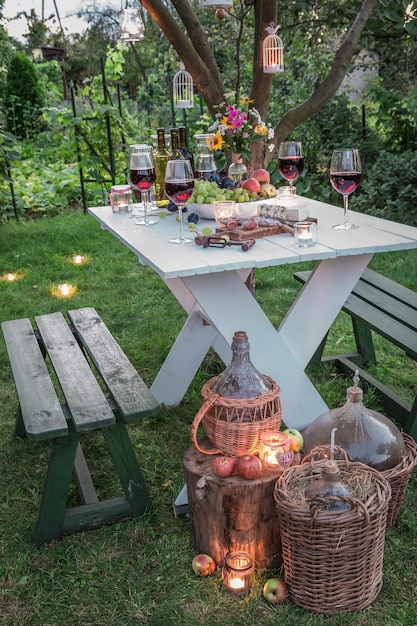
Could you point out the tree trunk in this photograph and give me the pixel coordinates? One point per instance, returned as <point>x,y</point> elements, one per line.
<point>232,514</point>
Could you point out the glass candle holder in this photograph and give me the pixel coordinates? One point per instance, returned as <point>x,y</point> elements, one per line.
<point>121,198</point>
<point>238,573</point>
<point>305,234</point>
<point>223,210</point>
<point>276,450</point>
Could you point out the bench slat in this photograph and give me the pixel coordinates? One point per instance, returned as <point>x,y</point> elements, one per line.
<point>387,303</point>
<point>86,401</point>
<point>41,410</point>
<point>132,396</point>
<point>389,286</point>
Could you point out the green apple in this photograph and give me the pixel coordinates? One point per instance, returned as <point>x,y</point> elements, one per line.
<point>296,438</point>
<point>275,590</point>
<point>203,565</point>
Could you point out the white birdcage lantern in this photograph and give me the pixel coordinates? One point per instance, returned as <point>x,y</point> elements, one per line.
<point>132,28</point>
<point>216,4</point>
<point>183,89</point>
<point>273,51</point>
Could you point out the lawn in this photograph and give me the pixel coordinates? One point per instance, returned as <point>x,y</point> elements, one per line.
<point>139,572</point>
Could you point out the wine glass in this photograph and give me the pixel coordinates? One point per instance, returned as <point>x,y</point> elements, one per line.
<point>142,177</point>
<point>345,176</point>
<point>290,161</point>
<point>179,186</point>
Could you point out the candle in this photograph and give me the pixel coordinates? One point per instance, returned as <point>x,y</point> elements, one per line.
<point>238,573</point>
<point>65,289</point>
<point>78,259</point>
<point>10,277</point>
<point>121,198</point>
<point>305,234</point>
<point>276,450</point>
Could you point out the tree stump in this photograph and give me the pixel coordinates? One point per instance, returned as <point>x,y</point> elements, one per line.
<point>232,514</point>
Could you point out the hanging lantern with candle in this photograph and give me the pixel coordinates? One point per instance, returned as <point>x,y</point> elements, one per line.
<point>238,573</point>
<point>132,28</point>
<point>272,51</point>
<point>183,89</point>
<point>216,4</point>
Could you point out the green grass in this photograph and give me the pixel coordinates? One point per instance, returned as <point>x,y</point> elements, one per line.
<point>139,572</point>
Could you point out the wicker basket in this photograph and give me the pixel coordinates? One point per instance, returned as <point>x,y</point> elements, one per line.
<point>234,427</point>
<point>399,477</point>
<point>333,560</point>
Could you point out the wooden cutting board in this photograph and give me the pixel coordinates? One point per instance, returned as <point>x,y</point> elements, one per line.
<point>265,231</point>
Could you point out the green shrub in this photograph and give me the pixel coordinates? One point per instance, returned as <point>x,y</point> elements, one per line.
<point>389,188</point>
<point>24,97</point>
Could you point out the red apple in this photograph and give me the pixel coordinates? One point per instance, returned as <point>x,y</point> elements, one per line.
<point>224,466</point>
<point>262,176</point>
<point>220,14</point>
<point>203,565</point>
<point>297,440</point>
<point>275,590</point>
<point>251,184</point>
<point>249,466</point>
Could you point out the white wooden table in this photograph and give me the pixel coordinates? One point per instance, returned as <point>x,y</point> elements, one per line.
<point>209,283</point>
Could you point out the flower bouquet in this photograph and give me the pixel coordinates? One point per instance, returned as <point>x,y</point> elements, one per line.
<point>237,127</point>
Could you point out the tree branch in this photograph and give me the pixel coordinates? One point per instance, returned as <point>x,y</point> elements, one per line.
<point>330,85</point>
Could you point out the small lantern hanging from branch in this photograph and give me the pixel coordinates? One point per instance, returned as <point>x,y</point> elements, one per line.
<point>132,28</point>
<point>183,89</point>
<point>216,4</point>
<point>273,51</point>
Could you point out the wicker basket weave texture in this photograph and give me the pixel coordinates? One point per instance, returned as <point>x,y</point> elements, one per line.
<point>333,561</point>
<point>399,477</point>
<point>234,427</point>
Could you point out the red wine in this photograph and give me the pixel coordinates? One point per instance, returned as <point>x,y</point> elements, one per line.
<point>179,191</point>
<point>345,182</point>
<point>290,168</point>
<point>143,179</point>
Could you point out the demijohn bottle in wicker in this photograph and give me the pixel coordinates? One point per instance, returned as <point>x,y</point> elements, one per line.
<point>239,405</point>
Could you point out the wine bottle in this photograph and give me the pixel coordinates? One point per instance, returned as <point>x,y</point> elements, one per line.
<point>175,145</point>
<point>161,158</point>
<point>184,149</point>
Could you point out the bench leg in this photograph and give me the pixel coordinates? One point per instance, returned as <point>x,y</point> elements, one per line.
<point>127,468</point>
<point>410,425</point>
<point>52,509</point>
<point>364,342</point>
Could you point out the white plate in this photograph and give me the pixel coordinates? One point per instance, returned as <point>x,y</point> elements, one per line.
<point>243,209</point>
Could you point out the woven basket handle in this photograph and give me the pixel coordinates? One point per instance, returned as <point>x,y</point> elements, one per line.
<point>207,404</point>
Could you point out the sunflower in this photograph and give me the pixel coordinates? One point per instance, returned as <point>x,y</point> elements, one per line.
<point>217,142</point>
<point>246,100</point>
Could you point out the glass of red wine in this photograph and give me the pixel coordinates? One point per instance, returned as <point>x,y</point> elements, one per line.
<point>179,186</point>
<point>290,161</point>
<point>345,176</point>
<point>142,177</point>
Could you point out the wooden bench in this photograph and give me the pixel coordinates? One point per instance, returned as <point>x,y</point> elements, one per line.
<point>74,350</point>
<point>378,304</point>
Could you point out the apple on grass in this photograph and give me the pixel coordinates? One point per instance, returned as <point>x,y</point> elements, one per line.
<point>275,590</point>
<point>203,565</point>
<point>297,440</point>
<point>224,466</point>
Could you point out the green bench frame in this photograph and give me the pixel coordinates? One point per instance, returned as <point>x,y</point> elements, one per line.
<point>74,350</point>
<point>378,304</point>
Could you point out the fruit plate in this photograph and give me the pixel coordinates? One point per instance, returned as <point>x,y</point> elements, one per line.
<point>243,209</point>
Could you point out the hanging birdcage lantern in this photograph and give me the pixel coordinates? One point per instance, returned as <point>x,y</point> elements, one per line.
<point>273,51</point>
<point>216,4</point>
<point>132,28</point>
<point>183,89</point>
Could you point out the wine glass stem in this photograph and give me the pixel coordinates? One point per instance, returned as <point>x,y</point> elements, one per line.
<point>145,206</point>
<point>180,219</point>
<point>345,206</point>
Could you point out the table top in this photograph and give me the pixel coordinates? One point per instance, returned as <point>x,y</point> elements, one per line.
<point>173,260</point>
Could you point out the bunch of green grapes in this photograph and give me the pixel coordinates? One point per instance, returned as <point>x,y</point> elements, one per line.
<point>207,192</point>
